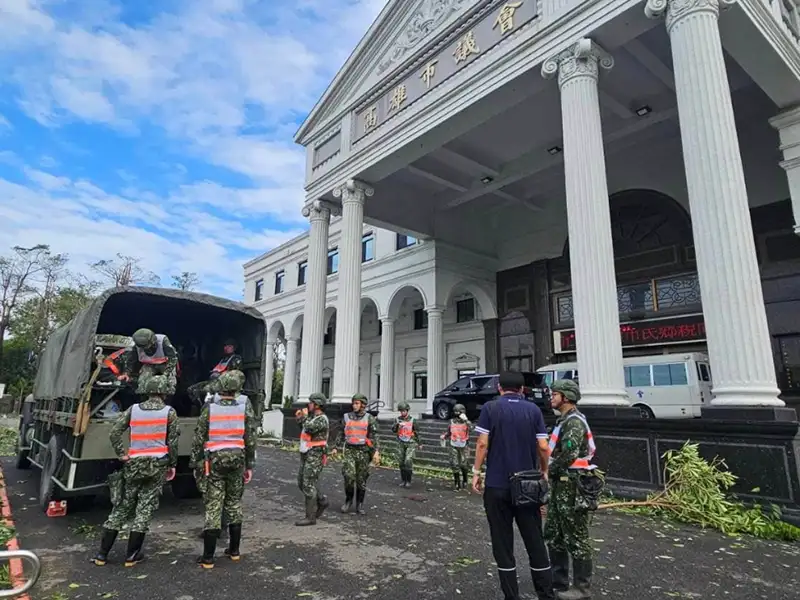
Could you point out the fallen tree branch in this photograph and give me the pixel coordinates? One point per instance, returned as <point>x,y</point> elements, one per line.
<point>635,503</point>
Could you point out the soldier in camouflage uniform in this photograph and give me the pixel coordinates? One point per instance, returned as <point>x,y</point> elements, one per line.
<point>457,436</point>
<point>230,361</point>
<point>150,460</point>
<point>360,438</point>
<point>313,456</point>
<point>567,525</point>
<point>225,445</point>
<point>151,354</point>
<point>407,443</point>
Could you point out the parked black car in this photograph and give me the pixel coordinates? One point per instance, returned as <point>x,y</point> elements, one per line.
<point>473,391</point>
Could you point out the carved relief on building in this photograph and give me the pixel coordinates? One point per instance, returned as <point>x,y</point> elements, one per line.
<point>425,20</point>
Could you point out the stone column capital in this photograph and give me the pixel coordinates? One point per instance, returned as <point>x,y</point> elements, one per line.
<point>387,320</point>
<point>353,190</point>
<point>434,310</point>
<point>272,341</point>
<point>319,210</point>
<point>676,10</point>
<point>786,119</point>
<point>292,340</point>
<point>582,59</point>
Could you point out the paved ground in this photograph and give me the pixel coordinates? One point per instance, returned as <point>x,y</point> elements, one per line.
<point>423,544</point>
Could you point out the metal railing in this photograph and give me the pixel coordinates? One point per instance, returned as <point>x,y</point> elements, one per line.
<point>28,556</point>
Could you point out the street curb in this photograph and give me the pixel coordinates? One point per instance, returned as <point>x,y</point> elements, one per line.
<point>16,572</point>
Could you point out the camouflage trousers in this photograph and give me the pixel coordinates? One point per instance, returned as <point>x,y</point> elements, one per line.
<point>202,484</point>
<point>355,466</point>
<point>566,528</point>
<point>138,504</point>
<point>223,492</point>
<point>310,471</point>
<point>147,371</point>
<point>405,455</point>
<point>459,458</point>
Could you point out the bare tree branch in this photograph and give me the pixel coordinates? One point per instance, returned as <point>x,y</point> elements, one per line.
<point>186,281</point>
<point>124,271</point>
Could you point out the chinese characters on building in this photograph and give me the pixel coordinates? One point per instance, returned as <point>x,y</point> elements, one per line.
<point>473,41</point>
<point>648,333</point>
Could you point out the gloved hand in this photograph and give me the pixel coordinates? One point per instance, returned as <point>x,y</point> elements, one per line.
<point>463,417</point>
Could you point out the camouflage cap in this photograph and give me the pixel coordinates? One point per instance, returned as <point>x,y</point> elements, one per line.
<point>144,337</point>
<point>318,399</point>
<point>230,382</point>
<point>567,388</point>
<point>459,409</point>
<point>360,397</point>
<point>404,406</point>
<point>157,385</point>
<point>229,342</point>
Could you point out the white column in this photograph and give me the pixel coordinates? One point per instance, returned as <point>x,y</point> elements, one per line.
<point>387,362</point>
<point>319,214</point>
<point>733,303</point>
<point>436,371</point>
<point>591,253</point>
<point>788,126</point>
<point>348,305</point>
<point>269,373</point>
<point>290,368</point>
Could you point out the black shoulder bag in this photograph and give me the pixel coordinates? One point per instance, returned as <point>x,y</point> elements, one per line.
<point>528,488</point>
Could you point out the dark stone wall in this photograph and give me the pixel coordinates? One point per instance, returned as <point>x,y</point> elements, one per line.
<point>533,288</point>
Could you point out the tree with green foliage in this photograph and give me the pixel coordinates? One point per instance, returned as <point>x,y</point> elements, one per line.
<point>19,276</point>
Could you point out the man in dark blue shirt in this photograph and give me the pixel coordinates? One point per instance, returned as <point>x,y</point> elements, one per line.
<point>512,433</point>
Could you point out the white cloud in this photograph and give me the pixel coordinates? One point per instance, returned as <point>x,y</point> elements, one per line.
<point>227,80</point>
<point>89,224</point>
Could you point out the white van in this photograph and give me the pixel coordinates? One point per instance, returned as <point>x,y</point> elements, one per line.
<point>663,386</point>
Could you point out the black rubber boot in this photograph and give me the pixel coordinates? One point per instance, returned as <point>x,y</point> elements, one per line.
<point>134,554</point>
<point>322,504</point>
<point>409,475</point>
<point>106,543</point>
<point>543,584</point>
<point>582,581</point>
<point>311,513</point>
<point>464,478</point>
<point>402,478</point>
<point>234,541</point>
<point>360,502</point>
<point>456,480</point>
<point>210,537</point>
<point>559,561</point>
<point>509,584</point>
<point>348,498</point>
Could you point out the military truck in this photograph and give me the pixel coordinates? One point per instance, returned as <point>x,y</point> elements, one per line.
<point>65,423</point>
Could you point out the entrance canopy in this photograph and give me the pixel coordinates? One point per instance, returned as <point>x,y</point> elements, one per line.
<point>443,110</point>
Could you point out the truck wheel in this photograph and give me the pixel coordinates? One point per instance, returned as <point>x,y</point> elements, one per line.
<point>48,491</point>
<point>184,487</point>
<point>22,455</point>
<point>25,431</point>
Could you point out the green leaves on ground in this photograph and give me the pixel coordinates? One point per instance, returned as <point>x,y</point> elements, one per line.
<point>8,441</point>
<point>696,492</point>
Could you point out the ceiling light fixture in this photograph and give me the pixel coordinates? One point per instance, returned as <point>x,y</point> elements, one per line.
<point>487,180</point>
<point>643,110</point>
<point>554,150</point>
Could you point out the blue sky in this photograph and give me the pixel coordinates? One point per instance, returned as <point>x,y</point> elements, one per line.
<point>162,129</point>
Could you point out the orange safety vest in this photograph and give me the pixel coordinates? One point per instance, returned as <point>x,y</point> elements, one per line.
<point>405,431</point>
<point>148,432</point>
<point>110,361</point>
<point>585,462</point>
<point>225,426</point>
<point>158,357</point>
<point>355,431</point>
<point>222,365</point>
<point>306,443</point>
<point>459,434</point>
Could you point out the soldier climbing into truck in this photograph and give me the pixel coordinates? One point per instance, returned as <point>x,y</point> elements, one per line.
<point>91,371</point>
